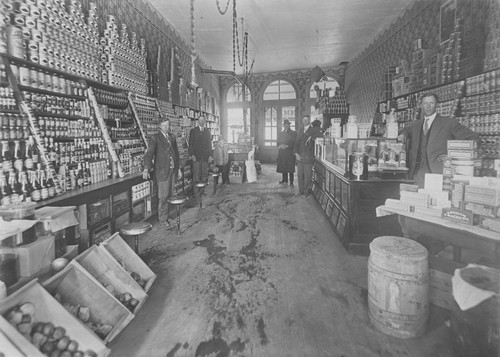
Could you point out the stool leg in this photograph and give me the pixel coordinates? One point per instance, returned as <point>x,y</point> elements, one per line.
<point>215,184</point>
<point>136,241</point>
<point>178,219</point>
<point>201,199</point>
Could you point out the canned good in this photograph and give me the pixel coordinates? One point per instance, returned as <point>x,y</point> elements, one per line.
<point>15,41</point>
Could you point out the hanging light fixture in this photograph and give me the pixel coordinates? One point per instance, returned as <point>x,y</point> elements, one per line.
<point>193,83</point>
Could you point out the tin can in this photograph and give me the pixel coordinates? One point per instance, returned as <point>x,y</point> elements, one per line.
<point>15,41</point>
<point>358,166</point>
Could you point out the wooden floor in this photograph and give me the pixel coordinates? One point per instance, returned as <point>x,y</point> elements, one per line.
<point>259,272</point>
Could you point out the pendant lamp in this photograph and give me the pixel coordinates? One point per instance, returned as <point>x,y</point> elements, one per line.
<point>316,74</point>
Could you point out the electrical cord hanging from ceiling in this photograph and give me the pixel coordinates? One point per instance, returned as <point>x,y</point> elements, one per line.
<point>194,85</point>
<point>236,41</point>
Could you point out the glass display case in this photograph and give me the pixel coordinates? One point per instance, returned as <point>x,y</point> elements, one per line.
<point>380,156</point>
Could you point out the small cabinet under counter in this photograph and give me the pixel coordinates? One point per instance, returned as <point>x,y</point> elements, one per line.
<point>349,196</point>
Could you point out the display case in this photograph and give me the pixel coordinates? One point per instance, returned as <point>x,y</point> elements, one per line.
<point>351,178</point>
<point>379,157</point>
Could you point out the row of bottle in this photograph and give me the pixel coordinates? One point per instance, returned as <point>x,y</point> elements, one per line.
<point>66,128</point>
<point>78,151</point>
<point>109,113</point>
<point>130,161</point>
<point>46,80</point>
<point>483,83</point>
<point>56,105</point>
<point>111,98</point>
<point>121,133</point>
<point>7,100</point>
<point>481,104</point>
<point>24,156</point>
<point>13,126</point>
<point>31,186</point>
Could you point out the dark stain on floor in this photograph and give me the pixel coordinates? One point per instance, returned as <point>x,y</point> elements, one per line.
<point>335,295</point>
<point>261,328</point>
<point>174,350</point>
<point>217,345</point>
<point>214,250</point>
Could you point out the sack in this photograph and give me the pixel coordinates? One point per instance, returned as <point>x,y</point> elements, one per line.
<point>251,171</point>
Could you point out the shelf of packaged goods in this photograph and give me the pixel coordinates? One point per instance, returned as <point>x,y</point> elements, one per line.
<point>64,116</point>
<point>62,139</point>
<point>496,90</point>
<point>127,138</point>
<point>106,87</point>
<point>46,92</point>
<point>34,65</point>
<point>10,111</point>
<point>113,105</point>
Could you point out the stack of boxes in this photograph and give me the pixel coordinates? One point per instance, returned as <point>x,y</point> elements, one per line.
<point>492,55</point>
<point>386,91</point>
<point>452,55</point>
<point>421,58</point>
<point>401,79</point>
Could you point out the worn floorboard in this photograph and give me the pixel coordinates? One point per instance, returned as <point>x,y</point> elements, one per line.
<point>259,272</point>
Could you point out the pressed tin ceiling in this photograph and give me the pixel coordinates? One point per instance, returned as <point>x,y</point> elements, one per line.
<point>282,34</point>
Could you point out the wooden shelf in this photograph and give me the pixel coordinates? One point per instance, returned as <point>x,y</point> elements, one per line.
<point>47,92</point>
<point>64,116</point>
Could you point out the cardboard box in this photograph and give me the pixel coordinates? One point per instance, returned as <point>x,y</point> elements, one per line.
<point>34,258</point>
<point>462,145</point>
<point>440,289</point>
<point>483,210</point>
<point>460,216</point>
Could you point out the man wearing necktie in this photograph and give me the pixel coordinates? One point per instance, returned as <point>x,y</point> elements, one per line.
<point>200,150</point>
<point>163,157</point>
<point>304,154</point>
<point>427,139</point>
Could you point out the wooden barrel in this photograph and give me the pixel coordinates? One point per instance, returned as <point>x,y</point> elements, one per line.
<point>398,286</point>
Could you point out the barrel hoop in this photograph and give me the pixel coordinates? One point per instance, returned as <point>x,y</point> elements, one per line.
<point>390,274</point>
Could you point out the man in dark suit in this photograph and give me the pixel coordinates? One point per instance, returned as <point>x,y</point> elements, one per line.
<point>304,154</point>
<point>286,158</point>
<point>427,139</point>
<point>163,157</point>
<point>200,150</point>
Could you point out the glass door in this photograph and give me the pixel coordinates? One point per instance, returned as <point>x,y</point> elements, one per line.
<point>274,117</point>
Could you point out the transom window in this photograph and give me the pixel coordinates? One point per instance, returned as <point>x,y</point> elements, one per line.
<point>279,90</point>
<point>235,94</point>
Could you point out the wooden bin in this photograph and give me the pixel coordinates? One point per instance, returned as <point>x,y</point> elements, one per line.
<point>13,343</point>
<point>107,271</point>
<point>126,257</point>
<point>48,309</point>
<point>77,287</point>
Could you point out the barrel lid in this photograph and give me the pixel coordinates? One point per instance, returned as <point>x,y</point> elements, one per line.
<point>397,246</point>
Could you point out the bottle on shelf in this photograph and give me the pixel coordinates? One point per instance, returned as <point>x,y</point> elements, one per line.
<point>36,194</point>
<point>26,188</point>
<point>5,190</point>
<point>15,196</point>
<point>44,187</point>
<point>6,157</point>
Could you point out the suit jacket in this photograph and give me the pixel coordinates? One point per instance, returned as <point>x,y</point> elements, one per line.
<point>159,155</point>
<point>286,158</point>
<point>200,143</point>
<point>442,130</point>
<point>304,144</point>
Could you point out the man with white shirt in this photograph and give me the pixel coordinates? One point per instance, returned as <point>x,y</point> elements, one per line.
<point>427,139</point>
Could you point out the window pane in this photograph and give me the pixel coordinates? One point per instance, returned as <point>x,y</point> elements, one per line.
<point>286,91</point>
<point>288,113</point>
<point>235,124</point>
<point>272,91</point>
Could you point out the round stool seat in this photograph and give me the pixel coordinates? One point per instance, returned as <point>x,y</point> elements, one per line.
<point>136,228</point>
<point>178,200</point>
<point>215,174</point>
<point>200,184</point>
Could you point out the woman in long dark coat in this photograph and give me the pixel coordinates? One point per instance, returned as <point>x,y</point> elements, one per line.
<point>286,158</point>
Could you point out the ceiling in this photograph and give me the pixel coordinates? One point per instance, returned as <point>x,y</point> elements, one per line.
<point>282,34</point>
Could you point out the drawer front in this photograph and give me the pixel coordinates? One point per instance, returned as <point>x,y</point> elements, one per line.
<point>98,211</point>
<point>121,220</point>
<point>100,233</point>
<point>138,211</point>
<point>121,202</point>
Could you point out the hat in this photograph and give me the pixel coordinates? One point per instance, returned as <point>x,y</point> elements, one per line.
<point>286,121</point>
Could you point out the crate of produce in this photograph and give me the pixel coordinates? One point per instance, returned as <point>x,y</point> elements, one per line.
<point>112,276</point>
<point>13,344</point>
<point>129,260</point>
<point>47,325</point>
<point>82,295</point>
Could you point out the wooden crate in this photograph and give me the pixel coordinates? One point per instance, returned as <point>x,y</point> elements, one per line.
<point>48,309</point>
<point>76,286</point>
<point>126,257</point>
<point>107,271</point>
<point>13,344</point>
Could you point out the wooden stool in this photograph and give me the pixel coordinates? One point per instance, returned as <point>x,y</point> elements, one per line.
<point>201,186</point>
<point>215,176</point>
<point>177,201</point>
<point>135,229</point>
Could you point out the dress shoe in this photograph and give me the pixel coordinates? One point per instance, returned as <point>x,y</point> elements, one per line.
<point>283,182</point>
<point>291,183</point>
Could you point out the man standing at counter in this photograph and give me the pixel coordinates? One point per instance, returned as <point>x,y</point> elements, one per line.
<point>304,153</point>
<point>163,155</point>
<point>427,139</point>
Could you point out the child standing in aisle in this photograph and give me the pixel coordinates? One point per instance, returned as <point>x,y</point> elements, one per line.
<point>221,160</point>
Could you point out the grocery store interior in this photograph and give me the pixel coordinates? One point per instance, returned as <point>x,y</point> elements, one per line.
<point>344,201</point>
